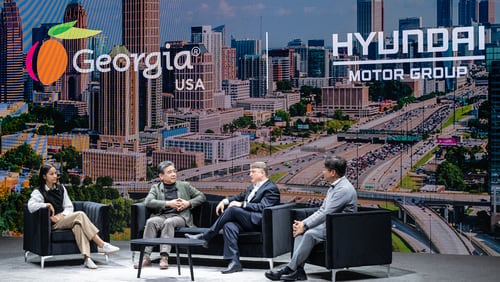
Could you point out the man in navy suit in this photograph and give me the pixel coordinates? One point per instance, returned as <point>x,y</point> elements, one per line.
<point>243,213</point>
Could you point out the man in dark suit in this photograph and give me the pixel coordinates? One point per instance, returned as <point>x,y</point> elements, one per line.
<point>243,213</point>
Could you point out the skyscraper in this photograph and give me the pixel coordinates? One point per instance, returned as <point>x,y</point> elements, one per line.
<point>11,54</point>
<point>467,12</point>
<point>189,94</point>
<point>487,12</point>
<point>493,68</point>
<point>213,42</point>
<point>114,109</point>
<point>73,82</point>
<point>141,35</point>
<point>444,13</point>
<point>243,48</point>
<point>370,17</point>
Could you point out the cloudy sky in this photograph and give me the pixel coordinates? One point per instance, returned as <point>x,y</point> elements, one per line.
<point>284,20</point>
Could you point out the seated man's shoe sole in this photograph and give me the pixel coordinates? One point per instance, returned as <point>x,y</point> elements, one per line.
<point>297,275</point>
<point>198,236</point>
<point>232,267</point>
<point>275,275</point>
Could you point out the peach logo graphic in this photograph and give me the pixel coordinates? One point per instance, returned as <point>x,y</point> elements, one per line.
<point>47,61</point>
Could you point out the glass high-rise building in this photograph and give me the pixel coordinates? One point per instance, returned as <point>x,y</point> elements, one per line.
<point>73,82</point>
<point>487,12</point>
<point>444,13</point>
<point>245,47</point>
<point>213,41</point>
<point>11,54</point>
<point>468,12</point>
<point>370,17</point>
<point>141,34</point>
<point>493,67</point>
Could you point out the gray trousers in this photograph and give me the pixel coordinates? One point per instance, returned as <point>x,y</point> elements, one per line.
<point>304,243</point>
<point>166,223</point>
<point>83,229</point>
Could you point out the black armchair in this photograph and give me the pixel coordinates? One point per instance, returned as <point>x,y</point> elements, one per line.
<point>354,239</point>
<point>275,238</point>
<point>40,239</point>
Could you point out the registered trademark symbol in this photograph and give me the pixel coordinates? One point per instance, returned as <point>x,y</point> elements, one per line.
<point>195,52</point>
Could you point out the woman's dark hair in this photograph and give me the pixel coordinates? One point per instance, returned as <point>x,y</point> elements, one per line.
<point>336,163</point>
<point>44,169</point>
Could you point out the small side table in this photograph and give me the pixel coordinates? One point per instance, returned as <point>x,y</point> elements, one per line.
<point>177,242</point>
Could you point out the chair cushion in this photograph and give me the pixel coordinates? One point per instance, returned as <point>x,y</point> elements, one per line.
<point>63,235</point>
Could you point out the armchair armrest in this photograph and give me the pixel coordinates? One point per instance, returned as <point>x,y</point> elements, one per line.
<point>99,215</point>
<point>39,228</point>
<point>358,239</point>
<point>138,217</point>
<point>276,230</point>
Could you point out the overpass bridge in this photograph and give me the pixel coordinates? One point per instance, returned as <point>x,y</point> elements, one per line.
<point>380,136</point>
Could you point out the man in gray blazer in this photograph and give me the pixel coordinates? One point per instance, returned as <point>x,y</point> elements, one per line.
<point>172,201</point>
<point>340,197</point>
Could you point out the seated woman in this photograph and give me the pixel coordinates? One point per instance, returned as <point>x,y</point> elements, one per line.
<point>49,194</point>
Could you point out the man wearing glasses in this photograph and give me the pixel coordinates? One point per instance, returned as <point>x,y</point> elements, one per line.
<point>242,212</point>
<point>172,201</point>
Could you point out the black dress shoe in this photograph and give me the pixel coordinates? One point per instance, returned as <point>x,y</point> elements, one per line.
<point>275,275</point>
<point>297,275</point>
<point>198,236</point>
<point>232,267</point>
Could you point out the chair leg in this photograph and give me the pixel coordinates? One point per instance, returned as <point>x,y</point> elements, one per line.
<point>107,258</point>
<point>334,272</point>
<point>26,253</point>
<point>388,270</point>
<point>133,257</point>
<point>271,263</point>
<point>42,260</point>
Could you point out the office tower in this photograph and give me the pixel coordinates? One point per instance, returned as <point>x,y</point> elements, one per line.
<point>73,83</point>
<point>370,16</point>
<point>194,88</point>
<point>168,75</point>
<point>444,13</point>
<point>253,68</point>
<point>493,68</point>
<point>141,35</point>
<point>410,23</point>
<point>487,12</point>
<point>114,109</point>
<point>228,63</point>
<point>39,34</point>
<point>213,42</point>
<point>283,63</point>
<point>467,12</point>
<point>243,48</point>
<point>11,54</point>
<point>300,56</point>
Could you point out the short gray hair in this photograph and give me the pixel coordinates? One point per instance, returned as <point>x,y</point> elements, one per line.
<point>260,165</point>
<point>163,165</point>
<point>336,163</point>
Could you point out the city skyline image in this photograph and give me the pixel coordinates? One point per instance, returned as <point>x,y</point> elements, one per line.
<point>404,90</point>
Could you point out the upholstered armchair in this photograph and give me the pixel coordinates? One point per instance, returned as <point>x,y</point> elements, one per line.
<point>40,239</point>
<point>354,239</point>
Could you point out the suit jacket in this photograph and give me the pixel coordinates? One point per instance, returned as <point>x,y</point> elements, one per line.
<point>340,198</point>
<point>267,195</point>
<point>156,198</point>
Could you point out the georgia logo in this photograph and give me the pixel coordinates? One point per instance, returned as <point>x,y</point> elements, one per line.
<point>46,61</point>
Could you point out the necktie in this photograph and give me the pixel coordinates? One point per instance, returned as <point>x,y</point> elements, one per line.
<point>252,193</point>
